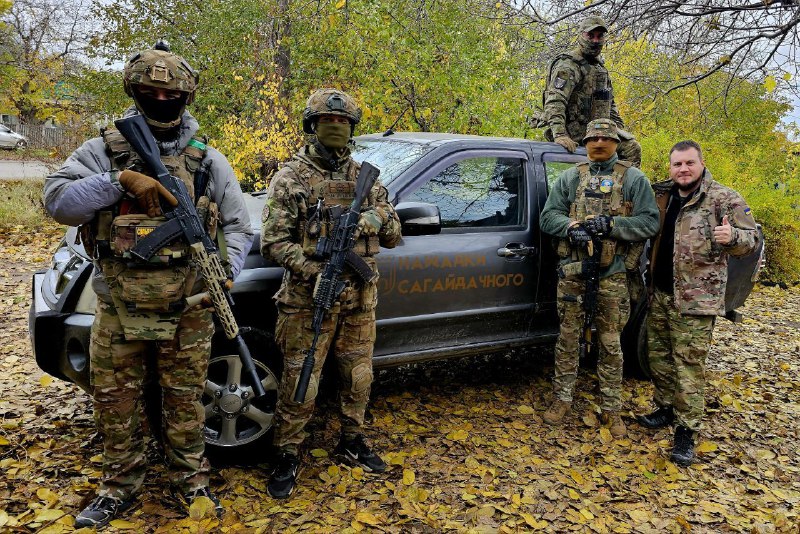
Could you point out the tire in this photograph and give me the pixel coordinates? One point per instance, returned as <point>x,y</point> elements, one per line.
<point>21,144</point>
<point>239,428</point>
<point>634,344</point>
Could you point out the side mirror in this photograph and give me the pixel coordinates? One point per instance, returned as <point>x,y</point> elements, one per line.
<point>419,218</point>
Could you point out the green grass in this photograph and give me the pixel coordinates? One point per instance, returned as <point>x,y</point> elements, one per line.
<point>21,204</point>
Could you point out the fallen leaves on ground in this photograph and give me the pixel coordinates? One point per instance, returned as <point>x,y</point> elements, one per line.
<point>464,440</point>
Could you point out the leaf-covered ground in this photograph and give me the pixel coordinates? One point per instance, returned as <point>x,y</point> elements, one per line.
<point>465,439</point>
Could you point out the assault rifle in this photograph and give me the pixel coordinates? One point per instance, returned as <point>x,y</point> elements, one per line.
<point>591,276</point>
<point>183,222</point>
<point>336,250</point>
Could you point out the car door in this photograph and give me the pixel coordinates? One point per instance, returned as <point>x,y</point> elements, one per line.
<point>6,137</point>
<point>472,283</point>
<point>549,167</point>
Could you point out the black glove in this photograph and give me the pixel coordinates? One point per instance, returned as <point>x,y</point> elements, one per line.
<point>578,236</point>
<point>599,226</point>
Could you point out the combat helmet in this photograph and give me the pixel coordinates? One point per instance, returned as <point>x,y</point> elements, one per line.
<point>330,102</point>
<point>162,69</point>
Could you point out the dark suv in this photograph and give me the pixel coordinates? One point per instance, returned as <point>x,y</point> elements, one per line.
<point>473,274</point>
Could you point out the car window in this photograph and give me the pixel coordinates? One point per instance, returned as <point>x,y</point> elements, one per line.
<point>391,157</point>
<point>554,170</point>
<point>477,192</point>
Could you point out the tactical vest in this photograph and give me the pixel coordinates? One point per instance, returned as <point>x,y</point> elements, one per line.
<point>590,99</point>
<point>602,195</point>
<point>149,297</point>
<point>325,190</point>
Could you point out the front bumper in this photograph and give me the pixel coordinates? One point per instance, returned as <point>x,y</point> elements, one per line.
<point>60,336</point>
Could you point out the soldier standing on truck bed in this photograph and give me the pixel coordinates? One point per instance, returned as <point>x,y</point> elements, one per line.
<point>297,214</point>
<point>702,224</point>
<point>579,90</point>
<point>611,201</point>
<point>141,308</point>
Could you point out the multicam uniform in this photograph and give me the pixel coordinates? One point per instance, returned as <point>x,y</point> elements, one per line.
<point>680,322</point>
<point>612,188</point>
<point>579,91</point>
<point>140,308</point>
<point>292,224</point>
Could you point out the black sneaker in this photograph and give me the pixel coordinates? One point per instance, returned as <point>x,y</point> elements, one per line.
<point>683,448</point>
<point>204,492</point>
<point>663,417</point>
<point>282,481</point>
<point>356,450</point>
<point>101,511</point>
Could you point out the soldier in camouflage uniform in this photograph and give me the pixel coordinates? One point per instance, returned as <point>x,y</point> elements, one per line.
<point>141,307</point>
<point>702,224</point>
<point>579,90</point>
<point>610,199</point>
<point>296,216</point>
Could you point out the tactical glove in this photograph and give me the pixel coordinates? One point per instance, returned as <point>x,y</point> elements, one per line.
<point>146,190</point>
<point>600,225</point>
<point>578,236</point>
<point>566,142</point>
<point>369,223</point>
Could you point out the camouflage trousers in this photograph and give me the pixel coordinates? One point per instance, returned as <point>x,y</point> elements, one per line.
<point>350,337</point>
<point>678,345</point>
<point>118,371</point>
<point>631,151</point>
<point>613,308</point>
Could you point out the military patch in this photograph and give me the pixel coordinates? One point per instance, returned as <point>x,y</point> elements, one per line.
<point>747,211</point>
<point>265,213</point>
<point>559,82</point>
<point>605,185</point>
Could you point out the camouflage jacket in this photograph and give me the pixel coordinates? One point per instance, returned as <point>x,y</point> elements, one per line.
<point>578,91</point>
<point>639,226</point>
<point>287,210</point>
<point>700,267</point>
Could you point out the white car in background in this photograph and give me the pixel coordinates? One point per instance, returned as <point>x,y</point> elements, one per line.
<point>11,139</point>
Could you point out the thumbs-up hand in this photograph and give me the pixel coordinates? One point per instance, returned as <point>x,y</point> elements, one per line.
<point>723,234</point>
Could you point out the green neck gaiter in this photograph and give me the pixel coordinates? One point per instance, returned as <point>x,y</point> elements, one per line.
<point>333,135</point>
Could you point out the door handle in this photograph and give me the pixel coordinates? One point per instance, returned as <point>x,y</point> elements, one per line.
<point>516,251</point>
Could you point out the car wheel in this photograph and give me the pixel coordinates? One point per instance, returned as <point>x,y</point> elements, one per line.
<point>237,425</point>
<point>21,144</point>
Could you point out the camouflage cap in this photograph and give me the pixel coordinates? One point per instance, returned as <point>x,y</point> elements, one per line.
<point>593,22</point>
<point>602,128</point>
<point>330,102</point>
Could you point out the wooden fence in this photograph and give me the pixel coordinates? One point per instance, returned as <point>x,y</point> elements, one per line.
<point>48,137</point>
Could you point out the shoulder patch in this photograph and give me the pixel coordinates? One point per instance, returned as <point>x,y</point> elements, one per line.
<point>559,82</point>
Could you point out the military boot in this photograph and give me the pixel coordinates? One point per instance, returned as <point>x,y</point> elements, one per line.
<point>101,511</point>
<point>660,418</point>
<point>357,451</point>
<point>614,423</point>
<point>556,412</point>
<point>282,481</point>
<point>191,496</point>
<point>683,448</point>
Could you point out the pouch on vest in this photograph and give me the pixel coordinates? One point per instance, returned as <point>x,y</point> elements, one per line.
<point>601,96</point>
<point>145,288</point>
<point>572,270</point>
<point>608,252</point>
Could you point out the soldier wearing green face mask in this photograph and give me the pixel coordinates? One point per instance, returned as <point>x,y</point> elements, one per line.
<point>579,90</point>
<point>297,214</point>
